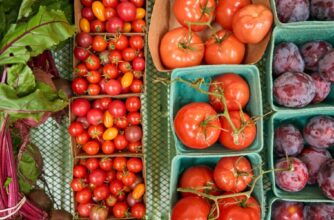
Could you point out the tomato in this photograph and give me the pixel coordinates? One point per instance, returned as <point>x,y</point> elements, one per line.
<point>189,128</point>
<point>84,209</point>
<point>120,209</point>
<point>108,119</point>
<point>93,89</point>
<point>110,3</point>
<point>191,208</point>
<point>114,25</point>
<point>95,116</point>
<point>81,69</point>
<point>83,196</point>
<point>176,52</point>
<point>104,57</point>
<point>113,87</point>
<point>134,147</point>
<point>97,177</point>
<point>138,3</point>
<point>239,208</point>
<point>91,147</point>
<point>126,11</point>
<point>108,147</point>
<point>84,25</point>
<point>121,122</point>
<point>99,43</point>
<point>138,191</point>
<point>97,26</point>
<point>233,174</point>
<point>92,164</point>
<point>194,11</point>
<point>138,210</point>
<point>138,64</point>
<point>80,107</point>
<point>115,57</point>
<point>128,178</point>
<point>75,129</point>
<point>140,13</point>
<point>136,42</point>
<point>106,164</point>
<point>97,104</point>
<point>95,131</point>
<point>196,176</point>
<point>119,175</point>
<point>119,163</point>
<point>127,79</point>
<point>79,86</point>
<point>117,108</point>
<point>138,26</point>
<point>120,142</point>
<point>127,27</point>
<point>77,184</point>
<point>87,13</point>
<point>110,175</point>
<point>105,101</point>
<point>133,133</point>
<point>116,187</point>
<point>111,200</point>
<point>128,54</point>
<point>124,67</point>
<point>81,53</point>
<point>224,48</point>
<point>136,86</point>
<point>121,42</point>
<point>133,104</point>
<point>110,13</point>
<point>92,62</point>
<point>101,192</point>
<point>226,10</point>
<point>110,134</point>
<point>98,213</point>
<point>84,40</point>
<point>241,140</point>
<point>110,71</point>
<point>252,23</point>
<point>94,76</point>
<point>79,171</point>
<point>87,3</point>
<point>99,10</point>
<point>83,138</point>
<point>133,118</point>
<point>134,165</point>
<point>235,89</point>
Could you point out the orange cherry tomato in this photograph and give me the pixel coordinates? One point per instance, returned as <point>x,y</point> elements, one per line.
<point>127,27</point>
<point>108,119</point>
<point>138,191</point>
<point>252,23</point>
<point>99,10</point>
<point>140,13</point>
<point>224,48</point>
<point>127,79</point>
<point>84,25</point>
<point>110,134</point>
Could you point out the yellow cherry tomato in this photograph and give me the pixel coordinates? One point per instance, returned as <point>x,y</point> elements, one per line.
<point>127,79</point>
<point>138,191</point>
<point>99,10</point>
<point>127,27</point>
<point>140,13</point>
<point>110,134</point>
<point>84,25</point>
<point>108,119</point>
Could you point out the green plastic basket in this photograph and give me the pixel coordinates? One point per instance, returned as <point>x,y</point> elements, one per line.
<point>182,94</point>
<point>298,35</point>
<point>181,162</point>
<point>299,119</point>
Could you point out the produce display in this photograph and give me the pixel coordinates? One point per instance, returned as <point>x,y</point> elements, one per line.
<point>303,75</point>
<point>111,16</point>
<point>109,187</point>
<point>112,65</point>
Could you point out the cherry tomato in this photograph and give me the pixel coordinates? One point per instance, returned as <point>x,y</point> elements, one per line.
<point>80,107</point>
<point>134,118</point>
<point>252,23</point>
<point>87,13</point>
<point>91,147</point>
<point>120,142</point>
<point>128,178</point>
<point>233,174</point>
<point>114,25</point>
<point>99,10</point>
<point>122,42</point>
<point>115,57</point>
<point>95,116</point>
<point>188,125</point>
<point>224,48</point>
<point>124,67</point>
<point>83,121</point>
<point>97,26</point>
<point>138,3</point>
<point>191,208</point>
<point>105,101</point>
<point>81,69</point>
<point>119,163</point>
<point>110,3</point>
<point>138,26</point>
<point>84,25</point>
<point>84,40</point>
<point>77,184</point>
<point>87,3</point>
<point>226,10</point>
<point>97,177</point>
<point>138,64</point>
<point>83,138</point>
<point>110,134</point>
<point>136,86</point>
<point>108,147</point>
<point>79,86</point>
<point>194,11</point>
<point>138,210</point>
<point>134,165</point>
<point>98,213</point>
<point>92,62</point>
<point>106,164</point>
<point>136,42</point>
<point>81,53</point>
<point>110,71</point>
<point>94,76</point>
<point>84,209</point>
<point>188,54</point>
<point>111,175</point>
<point>128,54</point>
<point>127,79</point>
<point>101,192</point>
<point>120,209</point>
<point>110,13</point>
<point>108,119</point>
<point>121,122</point>
<point>127,27</point>
<point>140,13</point>
<point>79,171</point>
<point>95,131</point>
<point>111,200</point>
<point>133,104</point>
<point>99,43</point>
<point>83,196</point>
<point>92,164</point>
<point>119,175</point>
<point>75,129</point>
<point>126,11</point>
<point>93,89</point>
<point>117,108</point>
<point>243,139</point>
<point>113,87</point>
<point>116,187</point>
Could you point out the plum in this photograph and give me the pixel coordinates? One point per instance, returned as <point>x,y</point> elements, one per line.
<point>292,10</point>
<point>322,9</point>
<point>294,180</point>
<point>294,89</point>
<point>326,178</point>
<point>312,52</point>
<point>313,159</point>
<point>287,58</point>
<point>288,140</point>
<point>287,210</point>
<point>319,132</point>
<point>319,211</point>
<point>326,66</point>
<point>322,88</point>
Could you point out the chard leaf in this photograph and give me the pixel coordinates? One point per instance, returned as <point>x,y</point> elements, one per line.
<point>43,31</point>
<point>21,78</point>
<point>25,9</point>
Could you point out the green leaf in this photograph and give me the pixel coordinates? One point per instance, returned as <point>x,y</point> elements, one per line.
<point>21,78</point>
<point>43,31</point>
<point>25,9</point>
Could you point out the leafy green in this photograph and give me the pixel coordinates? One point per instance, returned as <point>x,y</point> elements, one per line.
<point>21,78</point>
<point>8,14</point>
<point>25,9</point>
<point>43,31</point>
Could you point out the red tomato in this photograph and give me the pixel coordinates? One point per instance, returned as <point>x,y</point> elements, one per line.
<point>79,86</point>
<point>120,142</point>
<point>79,171</point>
<point>87,13</point>
<point>94,76</point>
<point>116,187</point>
<point>110,13</point>
<point>134,165</point>
<point>243,139</point>
<point>138,26</point>
<point>98,213</point>
<point>81,69</point>
<point>106,164</point>
<point>191,208</point>
<point>133,118</point>
<point>224,48</point>
<point>96,131</point>
<point>119,175</point>
<point>77,185</point>
<point>128,178</point>
<point>111,175</point>
<point>97,26</point>
<point>115,57</point>
<point>105,102</point>
<point>233,174</point>
<point>97,177</point>
<point>133,104</point>
<point>125,67</point>
<point>80,107</point>
<point>136,86</point>
<point>110,3</point>
<point>93,62</point>
<point>117,108</point>
<point>126,11</point>
<point>138,3</point>
<point>235,89</point>
<point>226,10</point>
<point>87,3</point>
<point>136,42</point>
<point>119,163</point>
<point>252,23</point>
<point>113,87</point>
<point>111,200</point>
<point>92,164</point>
<point>128,54</point>
<point>176,52</point>
<point>81,53</point>
<point>84,209</point>
<point>83,196</point>
<point>194,11</point>
<point>239,208</point>
<point>108,147</point>
<point>138,64</point>
<point>101,192</point>
<point>188,124</point>
<point>99,43</point>
<point>138,210</point>
<point>82,138</point>
<point>120,209</point>
<point>135,147</point>
<point>121,122</point>
<point>75,129</point>
<point>94,89</point>
<point>110,71</point>
<point>121,42</point>
<point>91,147</point>
<point>114,25</point>
<point>95,116</point>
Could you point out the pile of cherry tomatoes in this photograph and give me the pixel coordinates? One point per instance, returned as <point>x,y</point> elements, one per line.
<point>112,16</point>
<point>109,186</point>
<point>108,65</point>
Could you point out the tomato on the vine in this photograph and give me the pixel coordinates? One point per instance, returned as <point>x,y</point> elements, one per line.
<point>191,208</point>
